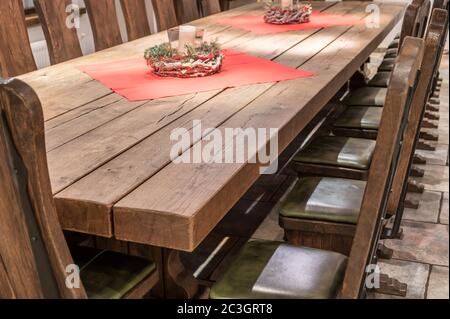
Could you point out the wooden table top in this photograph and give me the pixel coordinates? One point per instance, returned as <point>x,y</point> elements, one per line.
<point>109,159</point>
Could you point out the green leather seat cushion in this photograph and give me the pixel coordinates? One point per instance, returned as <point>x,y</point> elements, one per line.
<point>381,79</point>
<point>394,43</point>
<point>325,199</point>
<point>339,151</point>
<point>360,117</point>
<point>107,274</point>
<point>387,65</point>
<point>367,96</point>
<point>391,53</point>
<point>274,270</point>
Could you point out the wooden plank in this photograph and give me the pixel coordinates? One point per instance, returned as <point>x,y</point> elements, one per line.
<point>116,183</point>
<point>187,200</point>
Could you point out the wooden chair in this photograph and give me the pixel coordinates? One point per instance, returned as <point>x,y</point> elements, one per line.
<point>62,41</point>
<point>165,14</point>
<point>135,14</point>
<point>361,117</point>
<point>186,10</point>
<point>34,255</point>
<point>104,23</point>
<point>16,56</point>
<point>210,7</point>
<point>434,50</point>
<point>311,216</point>
<point>278,270</point>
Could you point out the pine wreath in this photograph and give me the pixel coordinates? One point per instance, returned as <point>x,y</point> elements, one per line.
<point>299,14</point>
<point>196,62</point>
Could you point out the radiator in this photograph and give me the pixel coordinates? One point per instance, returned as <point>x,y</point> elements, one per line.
<point>40,53</point>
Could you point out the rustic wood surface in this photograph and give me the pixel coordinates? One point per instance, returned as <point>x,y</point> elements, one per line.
<point>384,164</point>
<point>105,26</point>
<point>62,42</point>
<point>16,57</point>
<point>109,158</point>
<point>135,14</point>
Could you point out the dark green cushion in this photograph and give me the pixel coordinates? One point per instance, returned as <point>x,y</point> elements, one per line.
<point>387,65</point>
<point>273,270</point>
<point>367,96</point>
<point>339,151</point>
<point>391,53</point>
<point>360,117</point>
<point>381,79</point>
<point>107,274</point>
<point>394,44</point>
<point>325,199</point>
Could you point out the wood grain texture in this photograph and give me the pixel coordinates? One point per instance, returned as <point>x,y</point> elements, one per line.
<point>105,26</point>
<point>129,149</point>
<point>385,156</point>
<point>16,56</point>
<point>186,10</point>
<point>183,206</point>
<point>62,41</point>
<point>23,122</point>
<point>212,112</point>
<point>136,20</point>
<point>433,45</point>
<point>166,16</point>
<point>210,7</point>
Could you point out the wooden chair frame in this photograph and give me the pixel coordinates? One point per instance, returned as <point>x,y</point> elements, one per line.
<point>385,160</point>
<point>16,57</point>
<point>33,251</point>
<point>105,26</point>
<point>435,47</point>
<point>136,19</point>
<point>62,42</point>
<point>165,14</point>
<point>186,10</point>
<point>332,235</point>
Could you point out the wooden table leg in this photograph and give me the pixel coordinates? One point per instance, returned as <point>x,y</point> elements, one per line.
<point>179,283</point>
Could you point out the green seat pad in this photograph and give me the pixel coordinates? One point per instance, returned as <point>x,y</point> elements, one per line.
<point>367,96</point>
<point>394,44</point>
<point>360,117</point>
<point>339,151</point>
<point>391,53</point>
<point>274,270</point>
<point>381,79</point>
<point>387,65</point>
<point>325,199</point>
<point>107,274</point>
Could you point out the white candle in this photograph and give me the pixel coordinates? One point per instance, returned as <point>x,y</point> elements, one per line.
<point>187,36</point>
<point>286,4</point>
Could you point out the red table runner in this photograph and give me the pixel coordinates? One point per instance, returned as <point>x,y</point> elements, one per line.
<point>318,20</point>
<point>132,78</point>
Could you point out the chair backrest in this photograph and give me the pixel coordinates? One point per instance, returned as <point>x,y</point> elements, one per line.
<point>423,19</point>
<point>413,20</point>
<point>104,23</point>
<point>186,10</point>
<point>33,252</point>
<point>165,14</point>
<point>434,46</point>
<point>210,7</point>
<point>62,40</point>
<point>16,56</point>
<point>136,20</point>
<point>384,163</point>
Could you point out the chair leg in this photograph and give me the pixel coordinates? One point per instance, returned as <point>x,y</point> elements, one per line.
<point>391,286</point>
<point>429,136</point>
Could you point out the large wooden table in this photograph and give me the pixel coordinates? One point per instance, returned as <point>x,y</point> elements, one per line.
<point>109,159</point>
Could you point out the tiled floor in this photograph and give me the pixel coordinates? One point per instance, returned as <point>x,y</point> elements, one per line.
<point>421,258</point>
